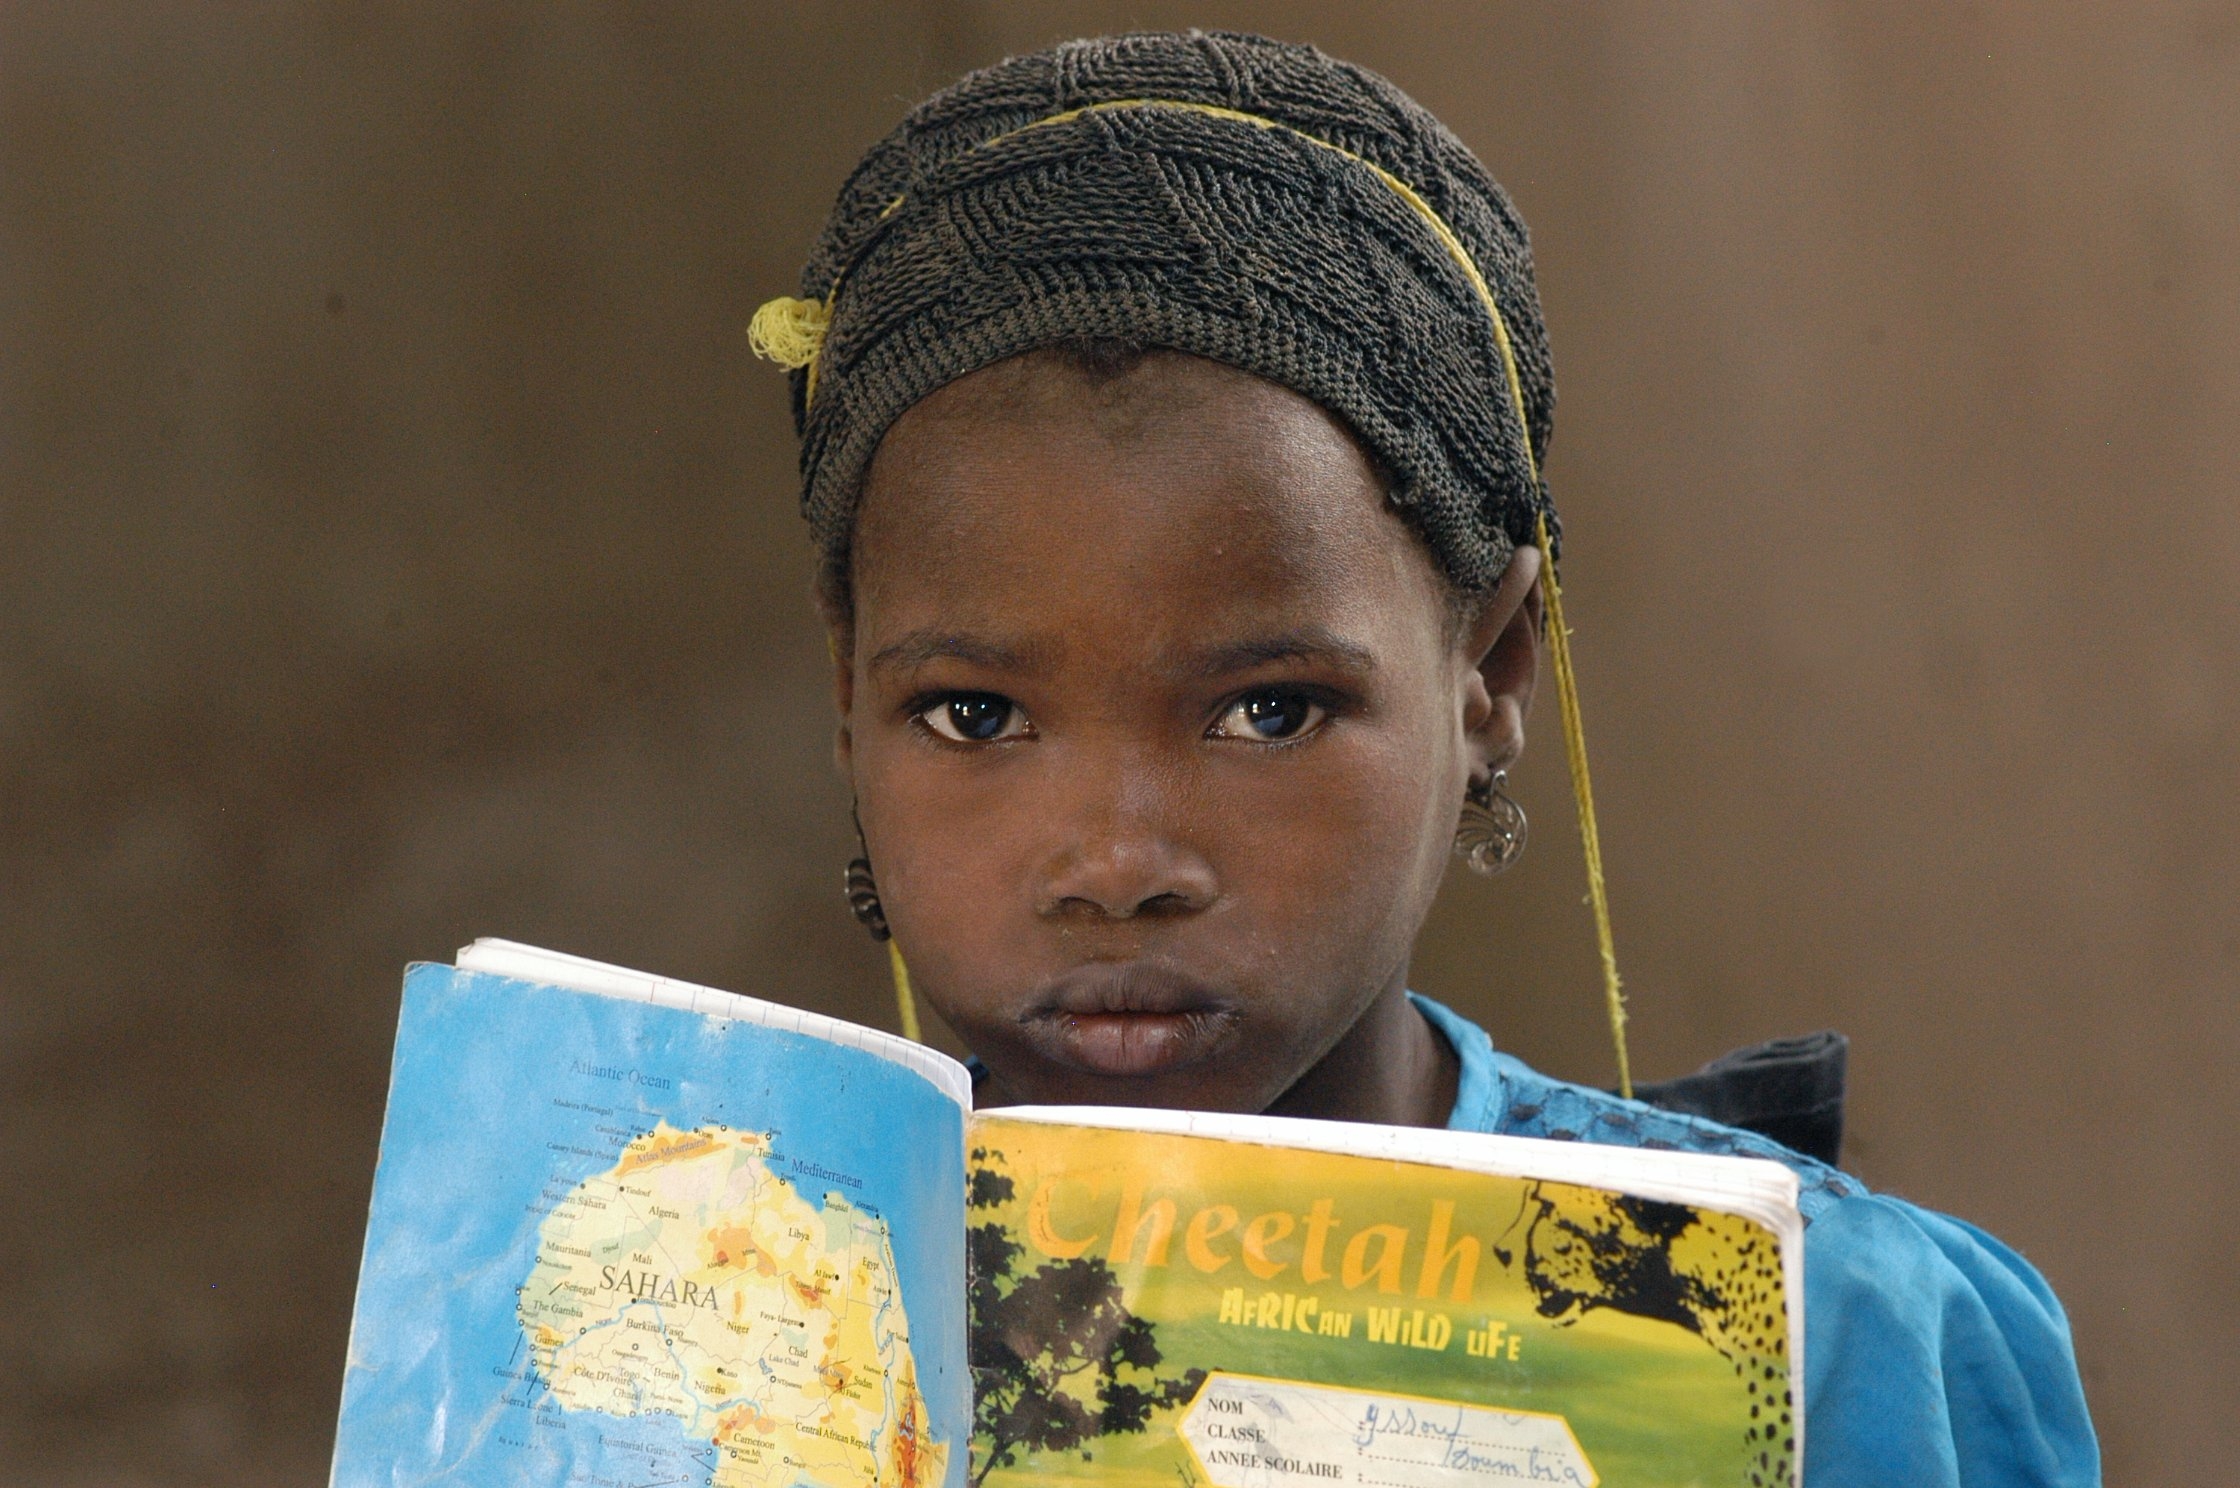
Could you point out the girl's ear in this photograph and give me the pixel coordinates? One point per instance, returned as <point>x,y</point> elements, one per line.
<point>1501,646</point>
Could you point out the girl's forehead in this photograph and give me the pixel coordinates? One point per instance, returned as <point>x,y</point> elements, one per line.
<point>1179,479</point>
<point>1091,393</point>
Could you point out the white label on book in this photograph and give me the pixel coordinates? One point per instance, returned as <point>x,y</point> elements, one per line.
<point>1249,1432</point>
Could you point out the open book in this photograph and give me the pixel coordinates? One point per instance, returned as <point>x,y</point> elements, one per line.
<point>629,1231</point>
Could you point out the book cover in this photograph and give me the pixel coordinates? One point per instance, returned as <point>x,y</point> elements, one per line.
<point>1165,1307</point>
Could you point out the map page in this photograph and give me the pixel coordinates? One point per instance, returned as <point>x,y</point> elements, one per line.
<point>619,1245</point>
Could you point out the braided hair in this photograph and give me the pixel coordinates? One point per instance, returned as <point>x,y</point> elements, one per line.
<point>1245,200</point>
<point>1219,194</point>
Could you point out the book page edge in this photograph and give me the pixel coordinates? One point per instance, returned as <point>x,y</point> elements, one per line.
<point>493,956</point>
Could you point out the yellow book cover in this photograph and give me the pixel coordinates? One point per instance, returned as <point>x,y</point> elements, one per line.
<point>1163,1299</point>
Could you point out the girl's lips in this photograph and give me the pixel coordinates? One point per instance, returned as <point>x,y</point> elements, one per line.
<point>1129,1019</point>
<point>1134,1044</point>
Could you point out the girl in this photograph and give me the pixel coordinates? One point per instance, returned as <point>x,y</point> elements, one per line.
<point>1172,410</point>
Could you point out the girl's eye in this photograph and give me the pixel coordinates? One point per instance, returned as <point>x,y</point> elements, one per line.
<point>1271,715</point>
<point>975,718</point>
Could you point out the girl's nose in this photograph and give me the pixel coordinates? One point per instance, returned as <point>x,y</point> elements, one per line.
<point>1124,857</point>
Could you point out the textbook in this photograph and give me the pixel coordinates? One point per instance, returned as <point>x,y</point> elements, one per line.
<point>629,1231</point>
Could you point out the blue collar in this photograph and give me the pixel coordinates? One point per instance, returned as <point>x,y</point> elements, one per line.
<point>1479,1097</point>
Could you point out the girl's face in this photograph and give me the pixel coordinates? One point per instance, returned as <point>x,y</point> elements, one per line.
<point>1159,720</point>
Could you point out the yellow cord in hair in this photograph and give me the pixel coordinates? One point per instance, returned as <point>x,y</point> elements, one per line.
<point>904,1003</point>
<point>1575,748</point>
<point>791,332</point>
<point>788,331</point>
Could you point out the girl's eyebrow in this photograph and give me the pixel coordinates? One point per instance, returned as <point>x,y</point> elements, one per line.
<point>1313,643</point>
<point>921,646</point>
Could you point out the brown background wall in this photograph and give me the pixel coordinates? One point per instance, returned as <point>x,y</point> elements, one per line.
<point>397,545</point>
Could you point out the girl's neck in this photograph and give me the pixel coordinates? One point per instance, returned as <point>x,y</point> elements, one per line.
<point>1391,1067</point>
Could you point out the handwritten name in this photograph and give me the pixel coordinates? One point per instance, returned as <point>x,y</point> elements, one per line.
<point>1383,1422</point>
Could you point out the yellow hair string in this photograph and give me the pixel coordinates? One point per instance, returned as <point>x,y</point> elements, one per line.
<point>1590,840</point>
<point>905,1004</point>
<point>791,333</point>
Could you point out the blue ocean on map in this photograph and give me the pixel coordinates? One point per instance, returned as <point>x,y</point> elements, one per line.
<point>504,1094</point>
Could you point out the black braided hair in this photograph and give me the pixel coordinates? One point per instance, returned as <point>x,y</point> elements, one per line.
<point>966,237</point>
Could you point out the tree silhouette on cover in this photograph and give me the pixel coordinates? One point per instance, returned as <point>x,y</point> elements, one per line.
<point>1048,1348</point>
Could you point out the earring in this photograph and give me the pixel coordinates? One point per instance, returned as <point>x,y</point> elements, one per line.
<point>1491,834</point>
<point>863,890</point>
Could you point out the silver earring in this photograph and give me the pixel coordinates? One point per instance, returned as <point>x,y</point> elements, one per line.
<point>863,890</point>
<point>1491,834</point>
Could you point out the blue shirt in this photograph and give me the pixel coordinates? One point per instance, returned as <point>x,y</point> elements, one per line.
<point>1934,1355</point>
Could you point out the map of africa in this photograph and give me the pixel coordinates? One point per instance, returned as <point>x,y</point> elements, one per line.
<point>690,1280</point>
<point>621,1245</point>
